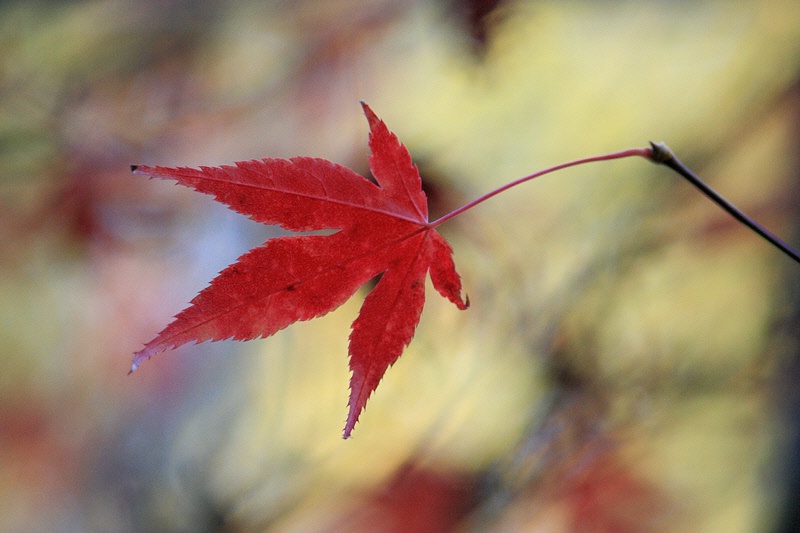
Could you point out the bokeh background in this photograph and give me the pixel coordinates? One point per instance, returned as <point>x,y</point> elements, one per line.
<point>631,356</point>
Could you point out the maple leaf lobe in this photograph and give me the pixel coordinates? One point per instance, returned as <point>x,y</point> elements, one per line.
<point>383,231</point>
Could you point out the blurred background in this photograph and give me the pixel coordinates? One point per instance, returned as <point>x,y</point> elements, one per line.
<point>630,359</point>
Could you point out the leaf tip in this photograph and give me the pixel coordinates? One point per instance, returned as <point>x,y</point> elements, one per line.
<point>359,394</point>
<point>372,118</point>
<point>138,358</point>
<point>140,169</point>
<point>352,420</point>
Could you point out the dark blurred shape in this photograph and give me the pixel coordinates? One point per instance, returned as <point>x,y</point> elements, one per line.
<point>95,205</point>
<point>606,497</point>
<point>788,518</point>
<point>417,499</point>
<point>788,396</point>
<point>476,18</point>
<point>439,187</point>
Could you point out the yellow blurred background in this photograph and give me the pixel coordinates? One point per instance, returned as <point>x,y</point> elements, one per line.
<point>629,360</point>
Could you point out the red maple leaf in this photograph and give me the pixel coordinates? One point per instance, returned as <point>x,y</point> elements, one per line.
<point>382,230</point>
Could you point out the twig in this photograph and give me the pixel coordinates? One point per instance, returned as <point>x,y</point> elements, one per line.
<point>662,155</point>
